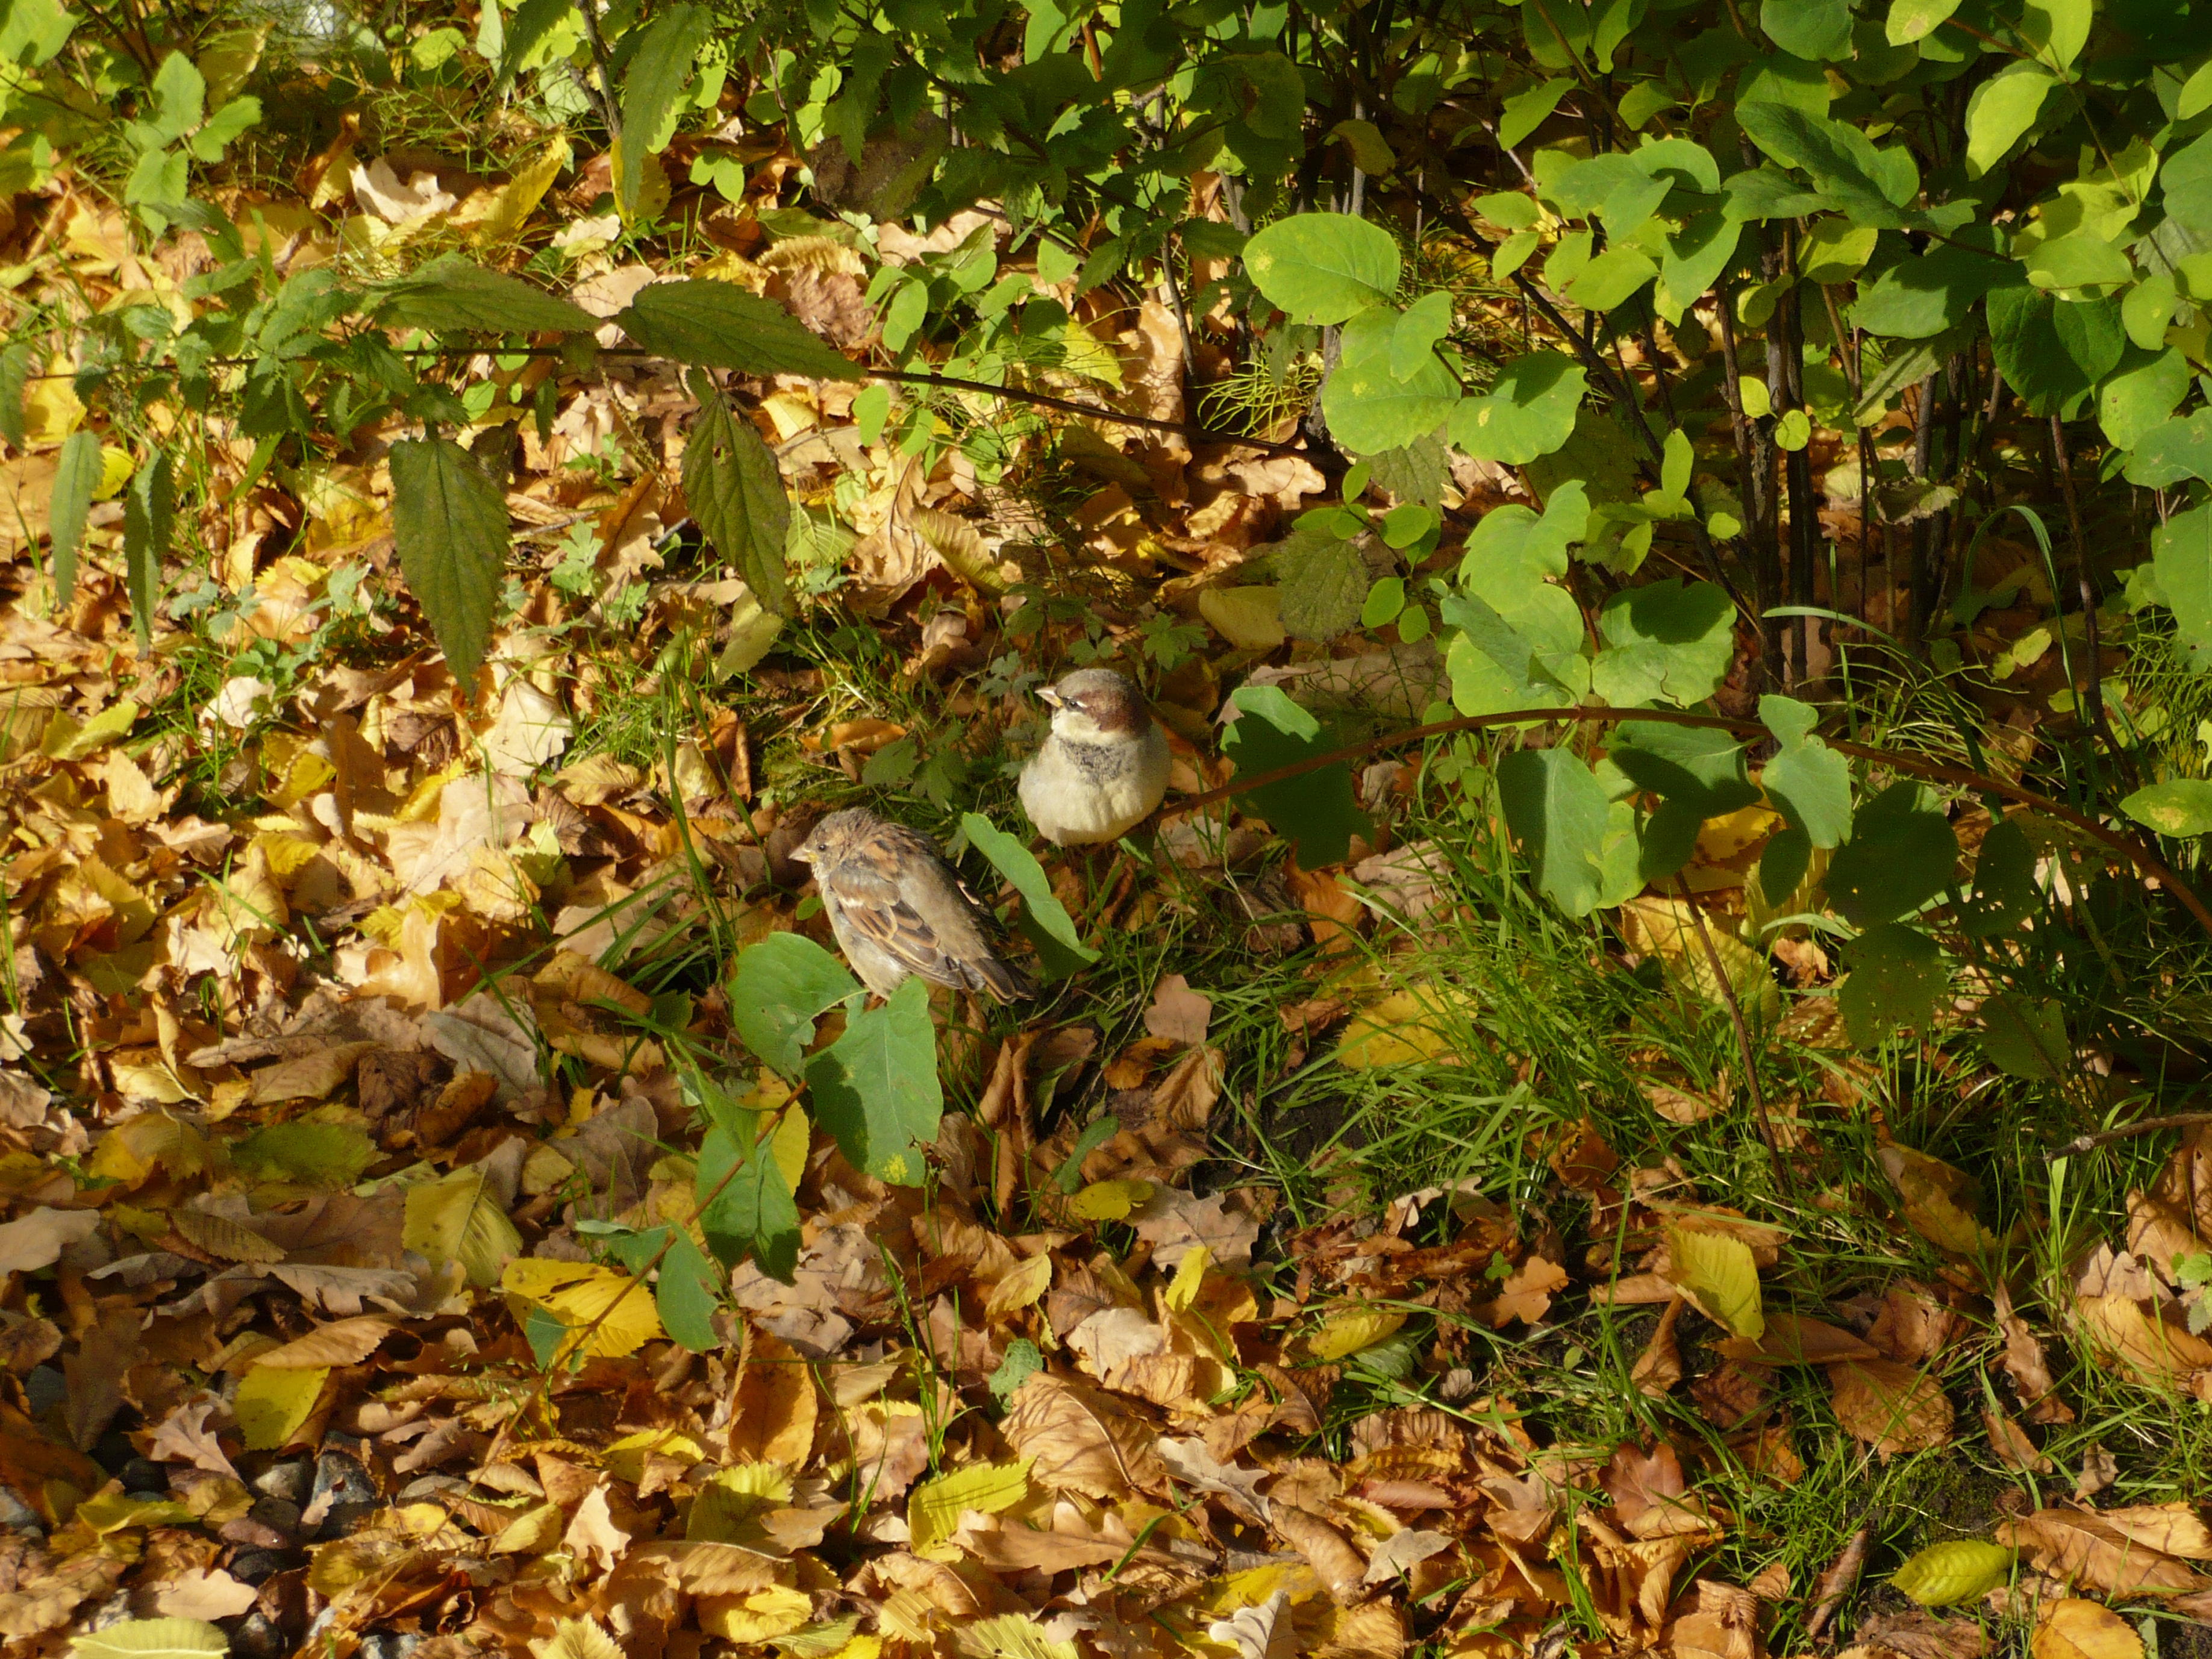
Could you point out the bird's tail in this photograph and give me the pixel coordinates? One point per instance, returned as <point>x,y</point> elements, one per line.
<point>1004,981</point>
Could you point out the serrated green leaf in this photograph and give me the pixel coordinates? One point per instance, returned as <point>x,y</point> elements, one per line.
<point>449,525</point>
<point>876,1090</point>
<point>1557,810</point>
<point>1961,1570</point>
<point>1324,267</point>
<point>1018,865</point>
<point>733,490</point>
<point>533,21</point>
<point>149,521</point>
<point>1717,1271</point>
<point>1897,977</point>
<point>76,476</point>
<point>720,326</point>
<point>453,292</point>
<point>1321,583</point>
<point>778,988</point>
<point>652,92</point>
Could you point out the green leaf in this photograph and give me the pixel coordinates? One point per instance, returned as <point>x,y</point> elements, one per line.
<point>1696,769</point>
<point>1789,721</point>
<point>1811,784</point>
<point>14,375</point>
<point>2179,807</point>
<point>2051,351</point>
<point>1324,267</point>
<point>1385,603</point>
<point>1916,19</point>
<point>151,1639</point>
<point>1529,412</point>
<point>453,292</point>
<point>754,1214</point>
<point>1371,409</point>
<point>1557,808</point>
<point>1718,1273</point>
<point>2181,557</point>
<point>2147,311</point>
<point>1317,812</point>
<point>2080,261</point>
<point>449,524</point>
<point>1918,298</point>
<point>1018,865</point>
<point>2005,889</point>
<point>2001,113</point>
<point>1695,257</point>
<point>179,97</point>
<point>1665,640</point>
<point>1522,113</point>
<point>720,326</point>
<point>1323,583</point>
<point>652,92</point>
<point>1815,30</point>
<point>1836,250</point>
<point>733,487</point>
<point>1960,1570</point>
<point>1902,854</point>
<point>77,477</point>
<point>2058,29</point>
<point>1897,976</point>
<point>1677,458</point>
<point>2178,447</point>
<point>533,22</point>
<point>875,1088</point>
<point>1611,278</point>
<point>2137,396</point>
<point>2185,182</point>
<point>778,988</point>
<point>149,520</point>
<point>689,1291</point>
<point>2027,1038</point>
<point>307,1153</point>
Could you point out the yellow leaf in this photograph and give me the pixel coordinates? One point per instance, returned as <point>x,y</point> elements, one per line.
<point>1716,1271</point>
<point>1109,1200</point>
<point>794,1138</point>
<point>1190,1276</point>
<point>934,1508</point>
<point>455,1219</point>
<point>2074,1629</point>
<point>631,1319</point>
<point>115,470</point>
<point>274,1402</point>
<point>578,1638</point>
<point>51,408</point>
<point>533,1532</point>
<point>760,1617</point>
<point>1405,1028</point>
<point>494,215</point>
<point>534,1277</point>
<point>625,1459</point>
<point>1019,1288</point>
<point>1348,1330</point>
<point>65,740</point>
<point>152,1639</point>
<point>1249,619</point>
<point>1011,1635</point>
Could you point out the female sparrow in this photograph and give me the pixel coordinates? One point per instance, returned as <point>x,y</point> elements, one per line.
<point>1104,766</point>
<point>897,909</point>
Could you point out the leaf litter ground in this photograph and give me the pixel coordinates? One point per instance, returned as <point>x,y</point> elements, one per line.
<point>1351,1260</point>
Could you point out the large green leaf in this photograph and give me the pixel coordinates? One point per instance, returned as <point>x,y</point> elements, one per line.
<point>2026,1037</point>
<point>1316,812</point>
<point>2185,183</point>
<point>1529,412</point>
<point>2052,352</point>
<point>1018,865</point>
<point>2001,110</point>
<point>1897,975</point>
<point>1902,853</point>
<point>1920,296</point>
<point>1557,808</point>
<point>1667,641</point>
<point>453,292</point>
<point>1916,19</point>
<point>1371,409</point>
<point>733,487</point>
<point>1811,784</point>
<point>1611,278</point>
<point>875,1088</point>
<point>689,1290</point>
<point>652,92</point>
<point>754,1214</point>
<point>2179,807</point>
<point>778,988</point>
<point>1702,770</point>
<point>76,479</point>
<point>1816,30</point>
<point>15,375</point>
<point>2181,558</point>
<point>2005,889</point>
<point>2178,447</point>
<point>449,524</point>
<point>720,326</point>
<point>149,515</point>
<point>1324,267</point>
<point>2139,395</point>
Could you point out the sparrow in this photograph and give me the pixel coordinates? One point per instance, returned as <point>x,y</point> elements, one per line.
<point>1103,766</point>
<point>898,908</point>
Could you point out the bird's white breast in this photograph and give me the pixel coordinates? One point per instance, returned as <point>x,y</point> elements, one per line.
<point>1079,795</point>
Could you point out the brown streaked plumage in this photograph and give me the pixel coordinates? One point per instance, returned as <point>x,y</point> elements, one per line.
<point>898,908</point>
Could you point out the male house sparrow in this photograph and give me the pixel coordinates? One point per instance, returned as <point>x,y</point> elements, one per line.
<point>897,909</point>
<point>1104,766</point>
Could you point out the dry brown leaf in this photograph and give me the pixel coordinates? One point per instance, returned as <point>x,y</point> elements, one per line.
<point>1081,1440</point>
<point>1722,1624</point>
<point>2011,1444</point>
<point>1794,1339</point>
<point>343,1342</point>
<point>1178,1014</point>
<point>2080,1547</point>
<point>1891,1406</point>
<point>1659,1367</point>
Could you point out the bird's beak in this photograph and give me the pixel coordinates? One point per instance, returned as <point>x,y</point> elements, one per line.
<point>1047,695</point>
<point>802,855</point>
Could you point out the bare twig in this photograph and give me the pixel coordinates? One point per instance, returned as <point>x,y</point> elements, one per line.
<point>2141,1126</point>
